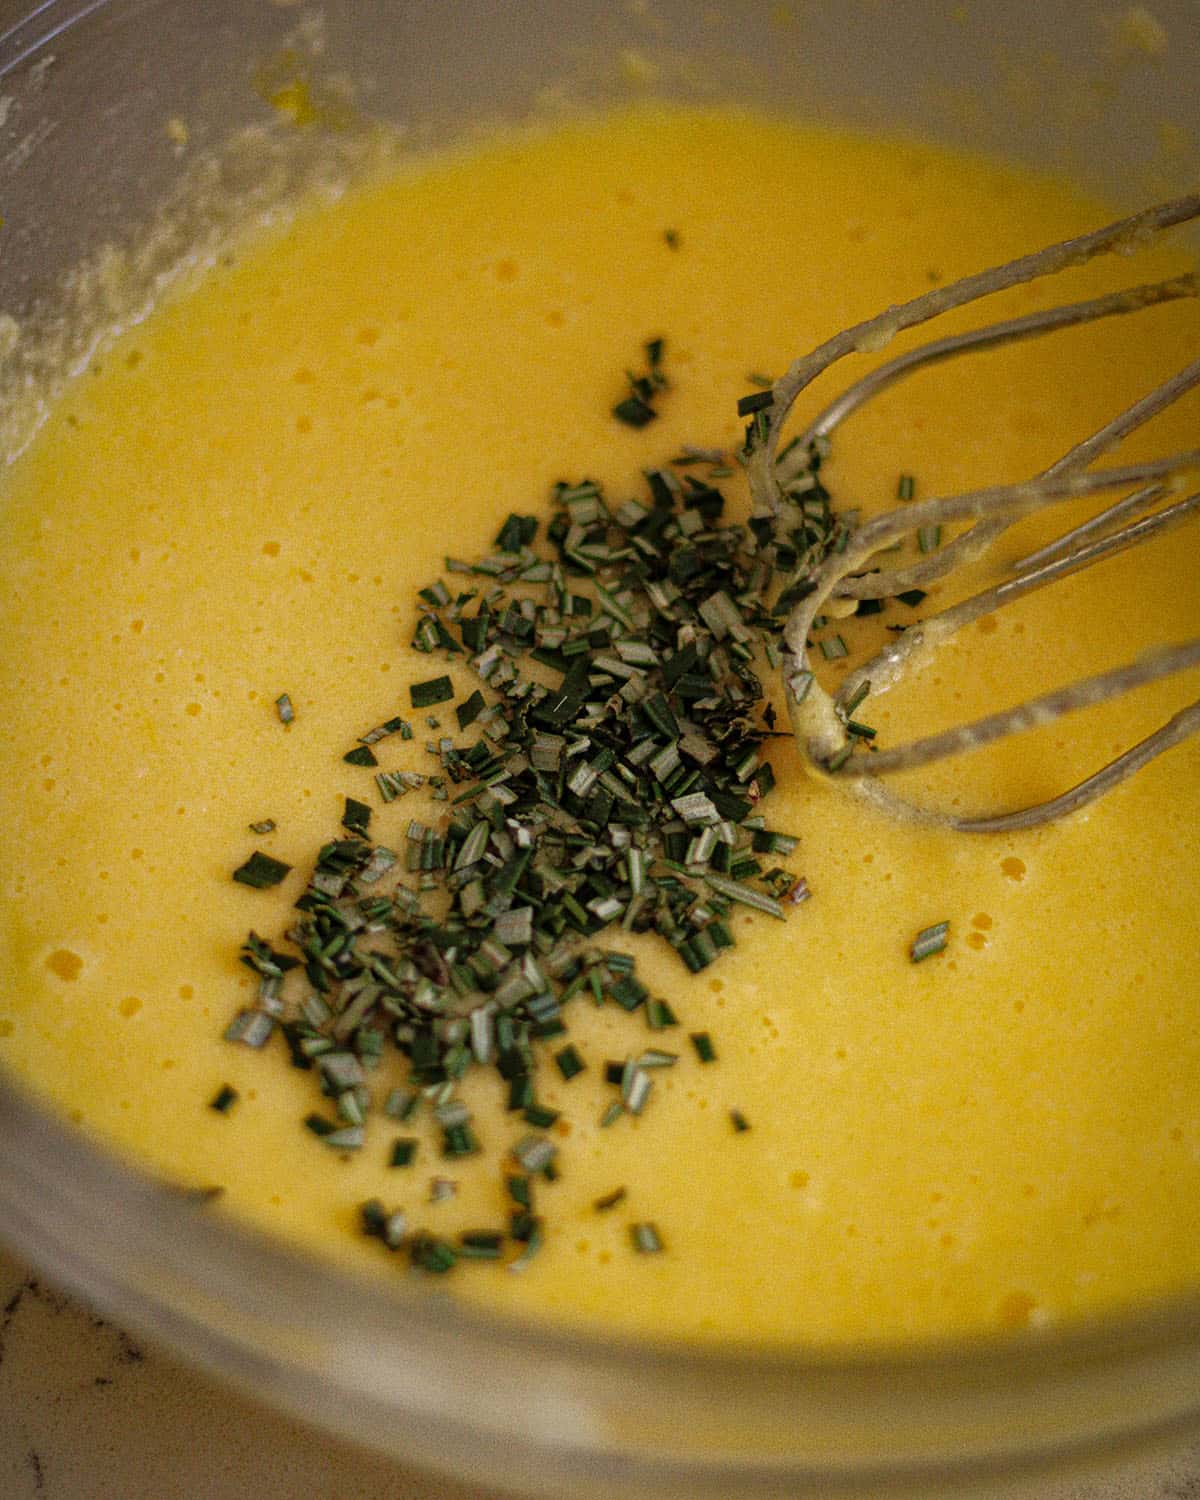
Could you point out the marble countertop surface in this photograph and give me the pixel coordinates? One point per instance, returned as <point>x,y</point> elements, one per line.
<point>88,1413</point>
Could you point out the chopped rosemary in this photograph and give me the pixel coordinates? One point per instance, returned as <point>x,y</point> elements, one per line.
<point>533,1243</point>
<point>610,1200</point>
<point>357,817</point>
<point>797,894</point>
<point>570,1064</point>
<point>224,1099</point>
<point>534,1153</point>
<point>480,1244</point>
<point>755,401</point>
<point>261,871</point>
<point>469,710</point>
<point>646,1238</point>
<point>361,755</point>
<point>747,895</point>
<point>517,532</point>
<point>404,1149</point>
<point>436,690</point>
<point>703,1044</point>
<point>460,1140</point>
<point>906,487</point>
<point>381,731</point>
<point>660,1015</point>
<point>538,1115</point>
<point>283,707</point>
<point>636,410</point>
<point>376,1221</point>
<point>266,826</point>
<point>618,785</point>
<point>252,1028</point>
<point>930,940</point>
<point>739,1121</point>
<point>428,1253</point>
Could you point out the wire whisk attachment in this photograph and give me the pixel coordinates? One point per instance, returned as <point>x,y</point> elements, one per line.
<point>1152,497</point>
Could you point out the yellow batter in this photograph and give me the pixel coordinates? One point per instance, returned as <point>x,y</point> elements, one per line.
<point>240,499</point>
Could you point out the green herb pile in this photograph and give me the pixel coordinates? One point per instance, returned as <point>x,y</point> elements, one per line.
<point>613,781</point>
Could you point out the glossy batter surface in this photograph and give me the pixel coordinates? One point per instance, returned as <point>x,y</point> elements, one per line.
<point>241,499</point>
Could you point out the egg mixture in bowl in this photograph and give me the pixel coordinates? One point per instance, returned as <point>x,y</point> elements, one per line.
<point>435,990</point>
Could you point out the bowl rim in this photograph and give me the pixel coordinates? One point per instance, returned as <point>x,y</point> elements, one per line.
<point>279,1322</point>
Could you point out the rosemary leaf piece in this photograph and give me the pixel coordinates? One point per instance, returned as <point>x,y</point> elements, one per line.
<point>382,731</point>
<point>755,401</point>
<point>646,1238</point>
<point>480,1244</point>
<point>634,412</point>
<point>533,1243</point>
<point>929,538</point>
<point>252,1028</point>
<point>570,1064</point>
<point>930,940</point>
<point>534,1153</point>
<point>404,1149</point>
<point>745,894</point>
<point>703,1044</point>
<point>660,1015</point>
<point>541,1117</point>
<point>361,755</point>
<point>636,409</point>
<point>356,817</point>
<point>435,690</point>
<point>470,709</point>
<point>261,871</point>
<point>428,1253</point>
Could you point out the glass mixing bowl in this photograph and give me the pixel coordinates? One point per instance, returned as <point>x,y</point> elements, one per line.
<point>86,87</point>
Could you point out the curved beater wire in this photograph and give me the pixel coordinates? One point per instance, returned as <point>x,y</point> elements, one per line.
<point>820,720</point>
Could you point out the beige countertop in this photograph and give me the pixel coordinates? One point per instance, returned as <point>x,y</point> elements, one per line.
<point>89,1413</point>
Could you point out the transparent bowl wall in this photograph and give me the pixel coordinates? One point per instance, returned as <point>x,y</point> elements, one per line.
<point>89,86</point>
